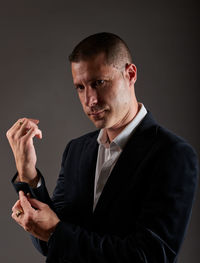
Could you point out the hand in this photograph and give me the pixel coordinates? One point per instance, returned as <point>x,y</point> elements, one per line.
<point>20,137</point>
<point>36,217</point>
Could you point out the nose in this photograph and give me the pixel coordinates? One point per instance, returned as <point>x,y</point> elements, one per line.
<point>90,97</point>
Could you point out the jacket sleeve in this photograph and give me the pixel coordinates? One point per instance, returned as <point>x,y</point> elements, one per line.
<point>41,193</point>
<point>160,228</point>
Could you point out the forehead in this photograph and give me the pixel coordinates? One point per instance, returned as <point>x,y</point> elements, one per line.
<point>92,68</point>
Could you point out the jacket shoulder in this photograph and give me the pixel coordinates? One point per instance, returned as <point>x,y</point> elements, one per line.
<point>174,147</point>
<point>170,138</point>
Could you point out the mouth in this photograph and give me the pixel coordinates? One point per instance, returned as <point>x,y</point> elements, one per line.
<point>97,113</point>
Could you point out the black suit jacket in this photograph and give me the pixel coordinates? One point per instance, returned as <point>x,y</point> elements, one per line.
<point>143,211</point>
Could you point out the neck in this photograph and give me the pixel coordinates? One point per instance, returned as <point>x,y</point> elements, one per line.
<point>117,129</point>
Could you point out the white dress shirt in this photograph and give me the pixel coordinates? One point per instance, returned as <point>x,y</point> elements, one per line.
<point>108,153</point>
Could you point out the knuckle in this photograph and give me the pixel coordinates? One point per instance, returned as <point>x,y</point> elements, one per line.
<point>8,134</point>
<point>11,135</point>
<point>27,219</point>
<point>44,206</point>
<point>24,201</point>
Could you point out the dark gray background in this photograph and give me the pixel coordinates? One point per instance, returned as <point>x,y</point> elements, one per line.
<point>35,81</point>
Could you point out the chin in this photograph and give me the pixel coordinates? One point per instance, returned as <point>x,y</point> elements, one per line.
<point>100,124</point>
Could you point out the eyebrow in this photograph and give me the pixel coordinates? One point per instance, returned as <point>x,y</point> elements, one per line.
<point>93,79</point>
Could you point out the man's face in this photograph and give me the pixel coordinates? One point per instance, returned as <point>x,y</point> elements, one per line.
<point>104,91</point>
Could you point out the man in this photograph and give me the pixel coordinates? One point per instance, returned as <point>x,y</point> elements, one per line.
<point>125,191</point>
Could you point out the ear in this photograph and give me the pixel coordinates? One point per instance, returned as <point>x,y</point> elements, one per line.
<point>131,72</point>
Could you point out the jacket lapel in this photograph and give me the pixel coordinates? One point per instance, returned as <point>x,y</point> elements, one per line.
<point>130,159</point>
<point>86,172</point>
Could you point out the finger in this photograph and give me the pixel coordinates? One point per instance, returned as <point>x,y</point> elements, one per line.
<point>34,120</point>
<point>15,217</point>
<point>31,122</point>
<point>25,127</point>
<point>18,218</point>
<point>33,132</point>
<point>21,123</point>
<point>15,127</point>
<point>39,134</point>
<point>18,122</point>
<point>16,210</point>
<point>22,128</point>
<point>17,213</point>
<point>16,206</point>
<point>36,203</point>
<point>26,206</point>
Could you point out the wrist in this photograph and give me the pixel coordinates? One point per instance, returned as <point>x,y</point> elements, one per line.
<point>30,178</point>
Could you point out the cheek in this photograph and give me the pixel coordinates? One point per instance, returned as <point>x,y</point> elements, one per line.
<point>110,95</point>
<point>120,99</point>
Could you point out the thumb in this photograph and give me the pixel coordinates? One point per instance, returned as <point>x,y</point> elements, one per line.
<point>36,203</point>
<point>24,202</point>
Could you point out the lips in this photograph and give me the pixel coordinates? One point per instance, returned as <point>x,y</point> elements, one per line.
<point>96,113</point>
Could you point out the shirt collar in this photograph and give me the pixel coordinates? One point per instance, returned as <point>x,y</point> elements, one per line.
<point>123,137</point>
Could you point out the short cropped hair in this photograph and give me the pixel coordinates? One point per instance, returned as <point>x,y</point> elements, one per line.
<point>115,49</point>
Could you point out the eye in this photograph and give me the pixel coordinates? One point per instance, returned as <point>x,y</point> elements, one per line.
<point>98,83</point>
<point>79,87</point>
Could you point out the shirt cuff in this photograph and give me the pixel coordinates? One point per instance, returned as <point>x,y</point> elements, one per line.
<point>39,183</point>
